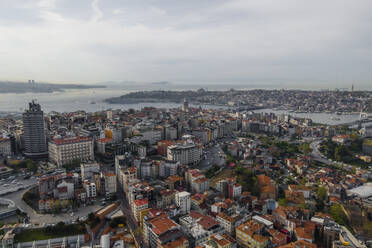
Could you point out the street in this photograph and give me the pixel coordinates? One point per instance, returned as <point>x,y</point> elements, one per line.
<point>16,197</point>
<point>10,185</point>
<point>316,153</point>
<point>214,156</point>
<point>133,225</point>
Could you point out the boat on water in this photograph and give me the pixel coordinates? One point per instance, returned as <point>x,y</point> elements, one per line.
<point>92,102</point>
<point>334,118</point>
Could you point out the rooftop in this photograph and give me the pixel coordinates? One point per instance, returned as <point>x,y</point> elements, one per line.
<point>71,140</point>
<point>364,191</point>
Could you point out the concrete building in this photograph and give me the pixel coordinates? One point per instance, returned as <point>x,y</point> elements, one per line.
<point>110,183</point>
<point>200,185</point>
<point>153,136</point>
<point>168,168</point>
<point>170,133</point>
<point>34,133</point>
<point>161,231</point>
<point>64,191</point>
<point>183,201</point>
<point>249,235</point>
<point>5,147</point>
<point>126,177</point>
<point>63,151</point>
<point>90,189</point>
<point>187,153</point>
<point>138,206</point>
<point>88,169</point>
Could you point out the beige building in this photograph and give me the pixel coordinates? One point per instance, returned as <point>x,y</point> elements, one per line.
<point>64,151</point>
<point>248,235</point>
<point>138,206</point>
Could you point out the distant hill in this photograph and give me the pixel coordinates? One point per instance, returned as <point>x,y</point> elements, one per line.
<point>21,87</point>
<point>132,83</point>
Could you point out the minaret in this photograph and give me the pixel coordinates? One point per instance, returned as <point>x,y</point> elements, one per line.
<point>352,88</point>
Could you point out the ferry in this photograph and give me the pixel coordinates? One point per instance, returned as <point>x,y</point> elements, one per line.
<point>334,118</point>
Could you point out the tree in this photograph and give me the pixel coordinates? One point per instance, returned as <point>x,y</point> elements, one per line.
<point>305,148</point>
<point>91,216</point>
<point>72,165</point>
<point>248,180</point>
<point>303,180</point>
<point>340,152</point>
<point>367,227</point>
<point>282,202</point>
<point>31,166</point>
<point>281,193</point>
<point>117,221</point>
<point>338,214</point>
<point>321,193</point>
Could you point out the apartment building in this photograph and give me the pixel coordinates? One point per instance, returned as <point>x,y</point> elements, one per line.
<point>90,189</point>
<point>110,183</point>
<point>187,153</point>
<point>138,206</point>
<point>183,201</point>
<point>249,235</point>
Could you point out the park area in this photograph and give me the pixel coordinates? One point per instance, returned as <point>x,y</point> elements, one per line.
<point>50,232</point>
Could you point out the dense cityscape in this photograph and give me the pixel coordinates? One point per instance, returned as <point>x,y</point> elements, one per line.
<point>185,124</point>
<point>186,177</point>
<point>301,101</point>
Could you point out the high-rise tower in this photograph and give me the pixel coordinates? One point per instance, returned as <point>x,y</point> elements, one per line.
<point>34,133</point>
<point>185,106</point>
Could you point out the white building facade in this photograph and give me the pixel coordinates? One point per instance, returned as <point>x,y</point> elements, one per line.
<point>64,151</point>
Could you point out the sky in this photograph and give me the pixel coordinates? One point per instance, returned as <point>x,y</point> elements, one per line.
<point>297,42</point>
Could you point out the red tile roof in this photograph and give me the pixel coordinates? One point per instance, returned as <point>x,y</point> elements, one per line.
<point>141,202</point>
<point>71,140</point>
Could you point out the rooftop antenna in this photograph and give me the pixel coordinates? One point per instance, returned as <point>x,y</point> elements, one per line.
<point>63,243</point>
<point>78,242</point>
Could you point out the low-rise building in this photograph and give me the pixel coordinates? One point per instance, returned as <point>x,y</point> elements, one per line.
<point>249,235</point>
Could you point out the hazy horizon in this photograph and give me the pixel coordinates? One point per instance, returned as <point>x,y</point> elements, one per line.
<point>167,85</point>
<point>289,43</point>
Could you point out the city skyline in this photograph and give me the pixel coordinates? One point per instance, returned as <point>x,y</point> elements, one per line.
<point>255,42</point>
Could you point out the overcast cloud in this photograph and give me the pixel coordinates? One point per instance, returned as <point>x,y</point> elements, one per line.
<point>87,41</point>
